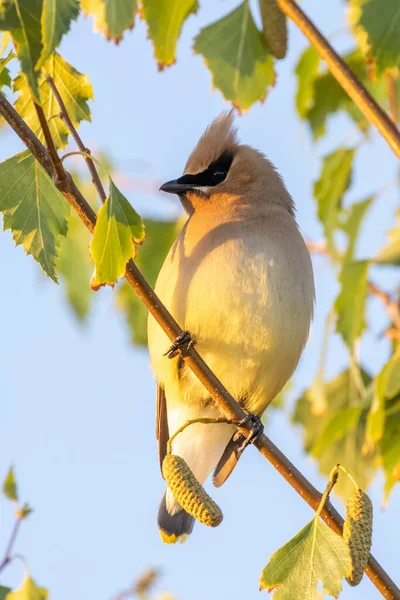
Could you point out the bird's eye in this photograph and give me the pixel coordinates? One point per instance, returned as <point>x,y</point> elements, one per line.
<point>218,176</point>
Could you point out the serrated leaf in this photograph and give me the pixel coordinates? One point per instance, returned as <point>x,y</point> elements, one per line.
<point>112,17</point>
<point>118,228</point>
<point>5,79</point>
<point>74,266</point>
<point>315,554</point>
<point>28,591</point>
<point>165,19</point>
<point>380,19</point>
<point>350,303</point>
<point>390,254</point>
<point>234,51</point>
<point>57,16</point>
<point>306,71</point>
<point>22,19</point>
<point>150,257</point>
<point>10,486</point>
<point>5,40</point>
<point>351,221</point>
<point>75,91</point>
<point>336,428</point>
<point>33,208</point>
<point>3,592</point>
<point>329,190</point>
<point>341,393</point>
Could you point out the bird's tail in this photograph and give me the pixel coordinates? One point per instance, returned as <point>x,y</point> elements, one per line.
<point>176,527</point>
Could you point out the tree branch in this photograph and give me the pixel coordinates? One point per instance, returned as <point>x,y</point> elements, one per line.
<point>345,77</point>
<point>10,545</point>
<point>230,408</point>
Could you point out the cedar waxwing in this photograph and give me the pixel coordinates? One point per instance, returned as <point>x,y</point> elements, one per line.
<point>239,279</point>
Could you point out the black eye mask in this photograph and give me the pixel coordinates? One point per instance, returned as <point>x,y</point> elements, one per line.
<point>215,173</point>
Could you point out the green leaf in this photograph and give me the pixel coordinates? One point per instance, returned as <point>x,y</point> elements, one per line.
<point>5,41</point>
<point>33,209</point>
<point>329,190</point>
<point>160,236</point>
<point>315,554</point>
<point>336,428</point>
<point>390,254</point>
<point>112,17</point>
<point>57,16</point>
<point>306,71</point>
<point>3,592</point>
<point>381,21</point>
<point>75,91</point>
<point>22,20</point>
<point>351,221</point>
<point>10,486</point>
<point>234,51</point>
<point>350,303</point>
<point>5,78</point>
<point>341,393</point>
<point>117,230</point>
<point>28,591</point>
<point>390,449</point>
<point>74,266</point>
<point>164,20</point>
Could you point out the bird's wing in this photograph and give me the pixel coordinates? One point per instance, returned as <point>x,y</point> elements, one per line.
<point>162,431</point>
<point>228,460</point>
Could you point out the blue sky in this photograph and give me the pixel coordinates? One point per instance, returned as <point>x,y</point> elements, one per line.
<point>78,402</point>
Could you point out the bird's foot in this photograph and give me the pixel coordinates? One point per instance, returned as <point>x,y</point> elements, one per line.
<point>256,429</point>
<point>183,341</point>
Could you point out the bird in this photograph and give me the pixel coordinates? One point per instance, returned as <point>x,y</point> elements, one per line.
<point>239,280</point>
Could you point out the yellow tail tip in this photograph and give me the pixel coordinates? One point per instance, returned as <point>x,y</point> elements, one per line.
<point>171,538</point>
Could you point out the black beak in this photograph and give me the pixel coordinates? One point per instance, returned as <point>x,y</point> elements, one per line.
<point>174,187</point>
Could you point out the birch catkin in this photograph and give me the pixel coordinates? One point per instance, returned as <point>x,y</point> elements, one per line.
<point>357,532</point>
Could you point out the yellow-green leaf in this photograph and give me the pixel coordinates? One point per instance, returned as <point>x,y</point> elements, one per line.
<point>22,19</point>
<point>75,90</point>
<point>350,303</point>
<point>5,78</point>
<point>234,51</point>
<point>5,40</point>
<point>28,591</point>
<point>117,230</point>
<point>336,428</point>
<point>10,486</point>
<point>165,19</point>
<point>390,254</point>
<point>33,208</point>
<point>351,221</point>
<point>112,17</point>
<point>380,19</point>
<point>306,71</point>
<point>57,16</point>
<point>315,555</point>
<point>330,188</point>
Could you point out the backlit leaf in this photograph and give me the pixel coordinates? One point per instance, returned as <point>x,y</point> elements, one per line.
<point>34,210</point>
<point>5,41</point>
<point>390,254</point>
<point>117,230</point>
<point>57,16</point>
<point>350,303</point>
<point>341,393</point>
<point>351,221</point>
<point>22,19</point>
<point>75,91</point>
<point>150,257</point>
<point>10,486</point>
<point>28,591</point>
<point>307,72</point>
<point>234,51</point>
<point>381,21</point>
<point>330,188</point>
<point>316,554</point>
<point>389,445</point>
<point>386,387</point>
<point>164,20</point>
<point>5,78</point>
<point>112,17</point>
<point>336,428</point>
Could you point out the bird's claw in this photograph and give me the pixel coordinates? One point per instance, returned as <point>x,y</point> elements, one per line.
<point>257,429</point>
<point>183,340</point>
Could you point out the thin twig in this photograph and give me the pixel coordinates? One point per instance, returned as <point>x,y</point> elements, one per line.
<point>7,554</point>
<point>67,120</point>
<point>204,420</point>
<point>50,143</point>
<point>344,75</point>
<point>231,409</point>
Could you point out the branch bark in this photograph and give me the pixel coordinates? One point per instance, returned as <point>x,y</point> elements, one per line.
<point>345,77</point>
<point>230,408</point>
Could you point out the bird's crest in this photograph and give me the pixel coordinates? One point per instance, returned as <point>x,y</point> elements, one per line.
<point>218,138</point>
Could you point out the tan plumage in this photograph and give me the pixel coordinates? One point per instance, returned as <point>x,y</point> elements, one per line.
<point>239,279</point>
